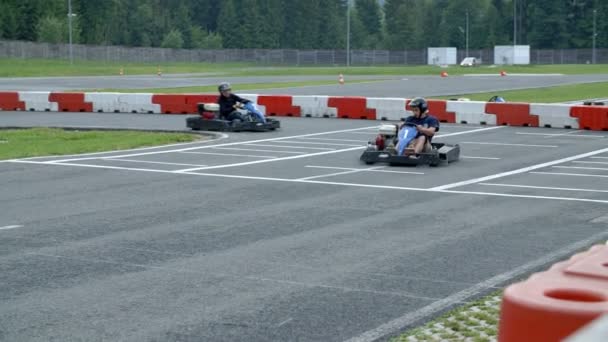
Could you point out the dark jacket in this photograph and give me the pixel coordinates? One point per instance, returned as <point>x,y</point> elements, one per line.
<point>227,104</point>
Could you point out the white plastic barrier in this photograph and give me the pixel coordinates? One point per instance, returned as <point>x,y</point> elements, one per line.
<point>392,109</point>
<point>38,101</point>
<point>471,112</point>
<point>137,103</point>
<point>554,115</point>
<point>103,102</point>
<point>314,106</point>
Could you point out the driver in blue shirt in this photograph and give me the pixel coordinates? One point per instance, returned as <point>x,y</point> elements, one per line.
<point>426,125</point>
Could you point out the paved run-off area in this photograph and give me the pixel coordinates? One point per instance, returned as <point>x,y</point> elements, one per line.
<point>283,235</point>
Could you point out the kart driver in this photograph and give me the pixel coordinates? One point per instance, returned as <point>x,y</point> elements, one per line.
<point>230,103</point>
<point>426,125</point>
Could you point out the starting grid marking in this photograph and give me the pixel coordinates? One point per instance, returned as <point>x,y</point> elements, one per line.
<point>308,146</point>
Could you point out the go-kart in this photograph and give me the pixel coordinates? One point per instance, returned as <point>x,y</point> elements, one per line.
<point>387,149</point>
<point>208,120</point>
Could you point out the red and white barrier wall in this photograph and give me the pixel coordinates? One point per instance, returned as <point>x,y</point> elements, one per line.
<point>390,109</point>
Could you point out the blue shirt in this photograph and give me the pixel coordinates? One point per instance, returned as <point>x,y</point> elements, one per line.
<point>428,121</point>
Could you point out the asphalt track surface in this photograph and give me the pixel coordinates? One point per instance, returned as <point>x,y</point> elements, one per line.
<point>282,236</point>
<point>389,86</point>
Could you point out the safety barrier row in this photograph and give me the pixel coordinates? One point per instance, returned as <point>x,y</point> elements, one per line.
<point>555,304</point>
<point>391,109</point>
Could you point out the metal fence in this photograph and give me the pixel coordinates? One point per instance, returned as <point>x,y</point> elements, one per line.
<point>20,49</point>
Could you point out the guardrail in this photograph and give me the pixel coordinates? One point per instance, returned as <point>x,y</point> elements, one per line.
<point>588,117</point>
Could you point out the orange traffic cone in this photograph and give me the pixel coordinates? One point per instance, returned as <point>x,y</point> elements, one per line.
<point>341,79</point>
<point>444,74</point>
<point>503,73</point>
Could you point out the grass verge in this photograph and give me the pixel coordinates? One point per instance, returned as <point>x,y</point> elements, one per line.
<point>38,142</point>
<point>477,321</point>
<point>544,95</point>
<point>213,88</point>
<point>51,67</point>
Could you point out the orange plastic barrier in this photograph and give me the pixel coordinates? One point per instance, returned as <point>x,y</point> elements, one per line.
<point>193,100</point>
<point>552,305</point>
<point>71,102</point>
<point>513,114</point>
<point>279,105</point>
<point>10,101</point>
<point>172,103</point>
<point>591,117</point>
<point>352,108</point>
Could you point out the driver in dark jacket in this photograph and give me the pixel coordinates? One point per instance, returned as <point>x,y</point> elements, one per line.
<point>229,103</point>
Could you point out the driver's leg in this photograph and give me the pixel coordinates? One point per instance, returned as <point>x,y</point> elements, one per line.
<point>419,144</point>
<point>234,116</point>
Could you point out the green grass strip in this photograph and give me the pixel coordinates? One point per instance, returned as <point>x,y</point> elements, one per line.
<point>12,67</point>
<point>37,142</point>
<point>477,320</point>
<point>236,86</point>
<point>544,95</point>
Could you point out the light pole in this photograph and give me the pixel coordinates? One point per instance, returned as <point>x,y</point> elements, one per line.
<point>593,58</point>
<point>514,22</point>
<point>70,29</point>
<point>467,34</point>
<point>348,33</point>
<point>514,29</point>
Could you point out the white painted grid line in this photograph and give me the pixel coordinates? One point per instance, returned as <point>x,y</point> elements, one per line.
<point>599,157</point>
<point>355,185</point>
<point>581,168</point>
<point>229,155</point>
<point>564,135</point>
<point>569,174</point>
<point>149,162</point>
<point>505,144</point>
<point>323,143</point>
<point>341,173</point>
<point>481,193</point>
<point>10,227</point>
<point>410,318</point>
<point>483,158</point>
<point>587,162</point>
<point>215,146</point>
<point>272,160</point>
<point>253,150</point>
<point>292,147</point>
<point>330,139</point>
<point>368,170</point>
<point>519,171</point>
<point>541,187</point>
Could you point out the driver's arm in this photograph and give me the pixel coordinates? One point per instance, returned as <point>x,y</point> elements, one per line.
<point>427,131</point>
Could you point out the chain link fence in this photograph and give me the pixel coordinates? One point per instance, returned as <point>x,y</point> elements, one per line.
<point>26,50</point>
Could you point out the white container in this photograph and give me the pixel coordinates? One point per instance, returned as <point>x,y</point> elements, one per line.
<point>388,130</point>
<point>442,56</point>
<point>212,107</point>
<point>511,55</point>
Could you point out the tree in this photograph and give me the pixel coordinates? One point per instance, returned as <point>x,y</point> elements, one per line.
<point>205,40</point>
<point>173,40</point>
<point>227,26</point>
<point>549,27</point>
<point>370,17</point>
<point>51,30</point>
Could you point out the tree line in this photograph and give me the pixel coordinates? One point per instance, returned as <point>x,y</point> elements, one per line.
<point>310,24</point>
